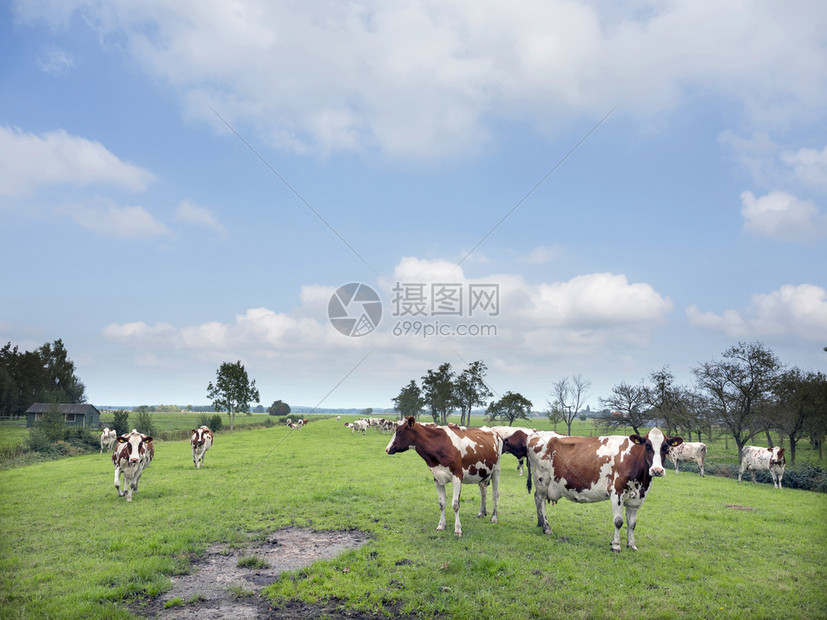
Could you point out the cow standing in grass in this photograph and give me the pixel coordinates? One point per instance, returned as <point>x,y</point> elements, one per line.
<point>133,453</point>
<point>108,437</point>
<point>454,454</point>
<point>770,459</point>
<point>201,441</point>
<point>688,451</point>
<point>595,469</point>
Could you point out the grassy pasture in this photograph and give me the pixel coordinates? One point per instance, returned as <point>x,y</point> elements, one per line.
<point>72,548</point>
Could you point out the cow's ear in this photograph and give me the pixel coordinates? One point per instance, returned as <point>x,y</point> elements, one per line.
<point>122,439</point>
<point>146,438</point>
<point>193,431</point>
<point>674,441</point>
<point>411,421</point>
<point>637,439</point>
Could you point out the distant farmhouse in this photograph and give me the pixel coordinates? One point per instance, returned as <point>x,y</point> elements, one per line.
<point>75,415</point>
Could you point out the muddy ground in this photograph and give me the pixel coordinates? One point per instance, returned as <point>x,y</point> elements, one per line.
<point>218,588</point>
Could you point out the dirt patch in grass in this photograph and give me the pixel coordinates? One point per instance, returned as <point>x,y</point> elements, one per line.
<point>219,588</point>
<point>739,507</point>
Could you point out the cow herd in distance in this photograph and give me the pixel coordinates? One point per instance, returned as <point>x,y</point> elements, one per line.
<point>618,468</point>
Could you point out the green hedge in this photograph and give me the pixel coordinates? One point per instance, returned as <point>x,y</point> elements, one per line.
<point>806,477</point>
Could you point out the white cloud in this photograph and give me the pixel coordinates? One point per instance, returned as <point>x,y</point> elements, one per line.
<point>56,61</point>
<point>114,221</point>
<point>29,161</point>
<point>798,311</point>
<point>809,166</point>
<point>189,212</point>
<point>584,314</point>
<point>542,254</point>
<point>422,80</point>
<point>780,215</point>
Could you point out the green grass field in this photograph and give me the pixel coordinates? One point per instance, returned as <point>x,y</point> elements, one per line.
<point>72,548</point>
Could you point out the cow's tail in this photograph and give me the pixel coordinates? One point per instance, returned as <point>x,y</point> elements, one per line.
<point>528,477</point>
<point>702,452</point>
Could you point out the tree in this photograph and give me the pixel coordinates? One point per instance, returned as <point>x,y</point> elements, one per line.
<point>630,402</point>
<point>121,422</point>
<point>43,375</point>
<point>367,411</point>
<point>567,398</point>
<point>278,408</point>
<point>470,390</point>
<point>438,390</point>
<point>737,386</point>
<point>144,423</point>
<point>233,391</point>
<point>409,402</point>
<point>512,406</point>
<point>800,396</point>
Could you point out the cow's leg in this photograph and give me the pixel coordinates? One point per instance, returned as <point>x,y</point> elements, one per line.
<point>701,465</point>
<point>617,513</point>
<point>520,466</point>
<point>752,471</point>
<point>631,522</point>
<point>483,492</point>
<point>495,491</point>
<point>780,475</point>
<point>540,502</point>
<point>118,481</point>
<point>741,471</point>
<point>456,485</point>
<point>440,492</point>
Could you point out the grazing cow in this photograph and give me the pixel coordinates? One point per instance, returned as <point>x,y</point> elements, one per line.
<point>132,455</point>
<point>338,417</point>
<point>201,441</point>
<point>359,426</point>
<point>688,451</point>
<point>108,437</point>
<point>772,459</point>
<point>514,439</point>
<point>457,455</point>
<point>594,469</point>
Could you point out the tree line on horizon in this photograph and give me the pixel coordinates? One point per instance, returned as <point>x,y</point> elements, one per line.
<point>746,393</point>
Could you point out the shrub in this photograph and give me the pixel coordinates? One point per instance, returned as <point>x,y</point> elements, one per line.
<point>53,424</point>
<point>269,423</point>
<point>144,424</point>
<point>81,437</point>
<point>215,423</point>
<point>204,420</point>
<point>39,441</point>
<point>121,422</point>
<point>806,477</point>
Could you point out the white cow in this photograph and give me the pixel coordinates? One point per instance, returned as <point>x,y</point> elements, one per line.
<point>131,456</point>
<point>688,451</point>
<point>359,426</point>
<point>771,459</point>
<point>108,437</point>
<point>201,441</point>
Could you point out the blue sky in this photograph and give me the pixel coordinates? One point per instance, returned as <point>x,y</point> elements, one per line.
<point>141,230</point>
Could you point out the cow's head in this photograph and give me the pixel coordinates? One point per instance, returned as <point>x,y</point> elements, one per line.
<point>198,436</point>
<point>135,445</point>
<point>656,446</point>
<point>403,438</point>
<point>777,457</point>
<point>516,444</point>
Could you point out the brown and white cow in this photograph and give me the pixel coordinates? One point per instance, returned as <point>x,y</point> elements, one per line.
<point>771,459</point>
<point>201,441</point>
<point>454,454</point>
<point>688,451</point>
<point>108,437</point>
<point>595,469</point>
<point>133,453</point>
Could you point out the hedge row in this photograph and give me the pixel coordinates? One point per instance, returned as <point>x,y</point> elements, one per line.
<point>806,477</point>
